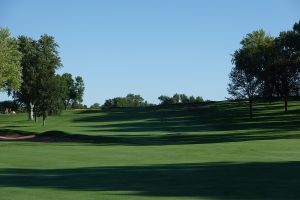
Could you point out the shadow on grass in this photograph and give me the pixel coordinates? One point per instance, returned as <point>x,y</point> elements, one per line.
<point>147,139</point>
<point>222,116</point>
<point>201,124</point>
<point>212,180</point>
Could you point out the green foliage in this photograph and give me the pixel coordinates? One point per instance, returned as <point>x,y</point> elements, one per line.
<point>166,100</point>
<point>179,98</point>
<point>75,90</point>
<point>79,106</point>
<point>78,90</point>
<point>10,68</point>
<point>51,88</point>
<point>50,100</point>
<point>248,62</point>
<point>95,106</point>
<point>197,100</point>
<point>10,106</point>
<point>176,98</point>
<point>131,100</point>
<point>286,65</point>
<point>265,67</point>
<point>70,89</point>
<point>184,99</point>
<point>42,91</point>
<point>28,94</point>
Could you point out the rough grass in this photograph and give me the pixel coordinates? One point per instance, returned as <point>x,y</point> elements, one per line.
<point>212,151</point>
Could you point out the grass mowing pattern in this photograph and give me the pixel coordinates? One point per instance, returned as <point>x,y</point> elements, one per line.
<point>210,152</point>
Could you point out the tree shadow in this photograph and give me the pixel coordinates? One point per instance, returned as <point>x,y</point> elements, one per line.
<point>221,116</point>
<point>148,139</point>
<point>211,180</point>
<point>217,122</point>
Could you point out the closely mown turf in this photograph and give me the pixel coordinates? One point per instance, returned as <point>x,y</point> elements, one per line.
<point>211,151</point>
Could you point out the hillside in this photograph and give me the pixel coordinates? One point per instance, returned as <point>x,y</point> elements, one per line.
<point>210,151</point>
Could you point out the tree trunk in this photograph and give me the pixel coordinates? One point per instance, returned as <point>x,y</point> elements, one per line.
<point>30,112</point>
<point>44,120</point>
<point>285,104</point>
<point>250,108</point>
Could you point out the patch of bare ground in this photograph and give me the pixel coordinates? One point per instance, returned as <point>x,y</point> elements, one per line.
<point>43,137</point>
<point>11,136</point>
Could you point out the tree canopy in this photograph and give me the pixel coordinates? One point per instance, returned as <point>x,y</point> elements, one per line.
<point>131,100</point>
<point>75,90</point>
<point>266,67</point>
<point>179,98</point>
<point>10,68</point>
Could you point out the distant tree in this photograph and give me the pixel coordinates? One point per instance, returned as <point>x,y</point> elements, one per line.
<point>248,60</point>
<point>79,106</point>
<point>192,99</point>
<point>179,98</point>
<point>199,99</point>
<point>184,99</point>
<point>71,93</point>
<point>95,106</point>
<point>75,90</point>
<point>9,106</point>
<point>131,100</point>
<point>78,90</point>
<point>165,100</point>
<point>10,68</point>
<point>108,103</point>
<point>176,98</point>
<point>134,100</point>
<point>121,102</point>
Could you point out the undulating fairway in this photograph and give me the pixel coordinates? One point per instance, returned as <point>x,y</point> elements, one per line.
<point>211,151</point>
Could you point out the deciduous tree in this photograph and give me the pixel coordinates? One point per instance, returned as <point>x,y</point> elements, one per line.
<point>248,62</point>
<point>10,68</point>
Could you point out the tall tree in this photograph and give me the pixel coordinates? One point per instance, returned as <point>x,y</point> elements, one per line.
<point>10,68</point>
<point>48,91</point>
<point>248,62</point>
<point>50,101</point>
<point>287,62</point>
<point>29,62</point>
<point>285,68</point>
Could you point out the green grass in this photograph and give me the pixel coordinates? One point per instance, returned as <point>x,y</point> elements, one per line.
<point>210,152</point>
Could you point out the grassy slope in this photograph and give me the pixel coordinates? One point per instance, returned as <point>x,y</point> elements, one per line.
<point>212,152</point>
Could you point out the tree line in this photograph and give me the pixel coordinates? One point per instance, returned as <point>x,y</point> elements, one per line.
<point>266,67</point>
<point>179,98</point>
<point>28,73</point>
<point>133,100</point>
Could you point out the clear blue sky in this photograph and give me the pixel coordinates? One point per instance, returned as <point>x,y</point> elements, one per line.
<point>148,47</point>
